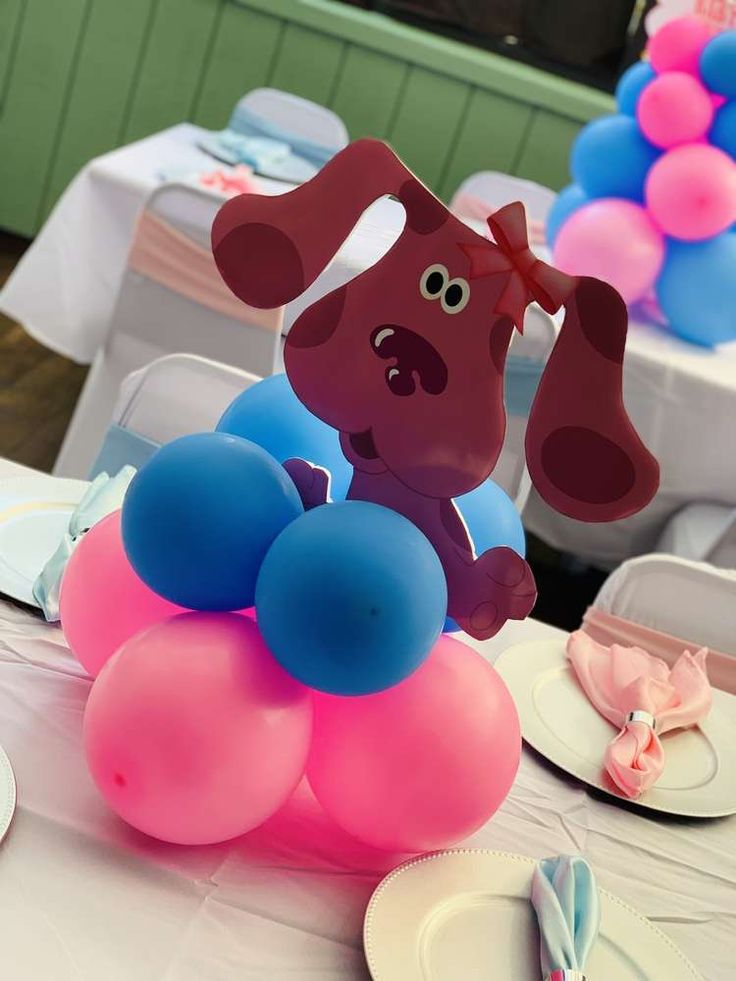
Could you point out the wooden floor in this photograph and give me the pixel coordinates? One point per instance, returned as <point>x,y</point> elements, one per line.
<point>38,389</point>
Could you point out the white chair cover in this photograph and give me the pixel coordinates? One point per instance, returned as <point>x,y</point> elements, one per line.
<point>298,116</point>
<point>702,532</point>
<point>158,314</point>
<point>693,600</point>
<point>172,396</point>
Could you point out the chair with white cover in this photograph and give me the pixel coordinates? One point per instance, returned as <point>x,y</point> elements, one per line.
<point>173,396</point>
<point>702,532</point>
<point>296,115</point>
<point>171,299</point>
<point>525,363</point>
<point>664,604</point>
<point>488,190</point>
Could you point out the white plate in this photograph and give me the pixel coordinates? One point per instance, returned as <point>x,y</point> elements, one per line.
<point>699,779</point>
<point>34,514</point>
<point>7,793</point>
<point>466,916</point>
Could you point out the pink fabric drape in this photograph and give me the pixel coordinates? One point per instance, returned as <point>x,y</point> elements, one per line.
<point>623,680</point>
<point>608,629</point>
<point>167,256</point>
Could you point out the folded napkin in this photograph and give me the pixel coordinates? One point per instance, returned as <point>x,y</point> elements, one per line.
<point>239,180</point>
<point>565,899</point>
<point>104,495</point>
<point>271,150</point>
<point>624,681</point>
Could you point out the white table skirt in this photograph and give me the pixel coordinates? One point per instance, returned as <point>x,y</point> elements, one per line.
<point>681,398</point>
<point>83,897</point>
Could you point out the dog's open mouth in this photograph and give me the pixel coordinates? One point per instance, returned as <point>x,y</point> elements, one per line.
<point>363,445</point>
<point>414,359</point>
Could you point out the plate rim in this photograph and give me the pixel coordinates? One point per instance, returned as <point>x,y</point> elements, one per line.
<point>8,775</point>
<point>384,884</point>
<point>33,489</point>
<point>640,803</point>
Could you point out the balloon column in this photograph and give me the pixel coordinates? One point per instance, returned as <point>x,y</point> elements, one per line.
<point>206,713</point>
<point>653,206</point>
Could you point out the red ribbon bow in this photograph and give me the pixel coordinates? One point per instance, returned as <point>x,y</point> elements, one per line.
<point>530,278</point>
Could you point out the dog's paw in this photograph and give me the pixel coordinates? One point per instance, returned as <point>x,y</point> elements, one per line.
<point>313,483</point>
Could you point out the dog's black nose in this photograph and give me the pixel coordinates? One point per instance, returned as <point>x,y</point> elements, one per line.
<point>414,358</point>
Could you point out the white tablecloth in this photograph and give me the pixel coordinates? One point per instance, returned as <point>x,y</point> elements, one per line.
<point>681,398</point>
<point>85,898</point>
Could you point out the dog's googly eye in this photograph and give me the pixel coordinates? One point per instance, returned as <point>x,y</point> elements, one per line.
<point>433,281</point>
<point>455,296</point>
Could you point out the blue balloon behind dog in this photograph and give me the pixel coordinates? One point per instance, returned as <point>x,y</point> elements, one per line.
<point>492,520</point>
<point>566,203</point>
<point>696,289</point>
<point>270,414</point>
<point>631,85</point>
<point>611,159</point>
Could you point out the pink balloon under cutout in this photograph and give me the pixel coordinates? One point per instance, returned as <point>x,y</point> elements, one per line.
<point>103,602</point>
<point>423,764</point>
<point>613,240</point>
<point>677,45</point>
<point>674,108</point>
<point>691,192</point>
<point>193,733</point>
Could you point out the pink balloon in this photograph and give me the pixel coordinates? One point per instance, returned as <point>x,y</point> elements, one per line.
<point>676,47</point>
<point>613,240</point>
<point>423,764</point>
<point>193,733</point>
<point>674,108</point>
<point>691,192</point>
<point>102,601</point>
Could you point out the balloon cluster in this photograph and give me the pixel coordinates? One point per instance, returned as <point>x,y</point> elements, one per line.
<point>239,642</point>
<point>653,205</point>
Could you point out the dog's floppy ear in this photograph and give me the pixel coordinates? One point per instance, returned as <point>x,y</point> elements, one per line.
<point>270,249</point>
<point>584,455</point>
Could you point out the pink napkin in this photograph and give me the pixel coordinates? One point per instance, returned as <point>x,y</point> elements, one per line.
<point>238,180</point>
<point>619,680</point>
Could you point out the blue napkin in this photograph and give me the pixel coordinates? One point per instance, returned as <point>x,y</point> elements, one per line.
<point>565,898</point>
<point>104,495</point>
<point>269,149</point>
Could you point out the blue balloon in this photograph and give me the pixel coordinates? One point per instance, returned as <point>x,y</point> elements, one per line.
<point>611,159</point>
<point>200,516</point>
<point>696,289</point>
<point>718,64</point>
<point>723,130</point>
<point>351,598</point>
<point>270,414</point>
<point>492,520</point>
<point>631,85</point>
<point>566,203</point>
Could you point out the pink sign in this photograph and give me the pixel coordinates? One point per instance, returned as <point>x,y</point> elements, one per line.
<point>407,361</point>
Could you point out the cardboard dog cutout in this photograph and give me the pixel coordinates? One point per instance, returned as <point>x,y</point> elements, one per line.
<point>406,361</point>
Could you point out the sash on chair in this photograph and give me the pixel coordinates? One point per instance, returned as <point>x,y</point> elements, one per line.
<point>607,629</point>
<point>168,257</point>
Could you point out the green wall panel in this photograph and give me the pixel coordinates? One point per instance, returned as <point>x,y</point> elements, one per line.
<point>545,156</point>
<point>307,64</point>
<point>490,138</point>
<point>33,107</point>
<point>430,116</point>
<point>241,59</point>
<point>172,65</point>
<point>10,18</point>
<point>368,92</point>
<point>103,81</point>
<point>78,77</point>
